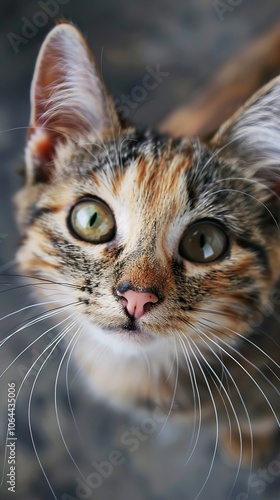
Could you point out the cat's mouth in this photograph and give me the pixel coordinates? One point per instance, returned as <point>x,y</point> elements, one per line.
<point>131,326</point>
<point>130,330</point>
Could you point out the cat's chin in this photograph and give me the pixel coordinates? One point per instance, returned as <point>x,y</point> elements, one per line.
<point>121,368</point>
<point>121,340</point>
<point>136,335</point>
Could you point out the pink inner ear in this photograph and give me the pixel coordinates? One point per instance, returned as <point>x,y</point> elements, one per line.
<point>44,84</point>
<point>67,95</point>
<point>68,99</point>
<point>41,143</point>
<point>57,96</point>
<point>52,121</point>
<point>40,149</point>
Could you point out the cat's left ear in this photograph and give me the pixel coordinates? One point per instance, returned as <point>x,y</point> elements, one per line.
<point>68,100</point>
<point>252,135</point>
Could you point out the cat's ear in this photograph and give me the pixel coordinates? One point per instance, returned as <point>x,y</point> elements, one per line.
<point>252,135</point>
<point>68,100</point>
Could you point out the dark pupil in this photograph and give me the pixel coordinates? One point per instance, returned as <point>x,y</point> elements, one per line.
<point>202,241</point>
<point>92,219</point>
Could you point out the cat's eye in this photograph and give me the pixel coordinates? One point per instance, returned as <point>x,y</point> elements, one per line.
<point>92,220</point>
<point>204,242</point>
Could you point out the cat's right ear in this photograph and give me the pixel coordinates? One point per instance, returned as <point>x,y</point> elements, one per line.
<point>68,101</point>
<point>251,138</point>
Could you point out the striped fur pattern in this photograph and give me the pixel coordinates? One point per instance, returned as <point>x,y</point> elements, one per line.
<point>210,344</point>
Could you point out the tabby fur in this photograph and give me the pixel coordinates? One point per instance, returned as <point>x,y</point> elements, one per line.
<point>210,346</point>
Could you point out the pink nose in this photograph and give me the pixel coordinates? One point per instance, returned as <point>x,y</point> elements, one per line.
<point>137,303</point>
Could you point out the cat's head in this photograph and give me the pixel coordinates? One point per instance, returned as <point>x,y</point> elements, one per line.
<point>148,237</point>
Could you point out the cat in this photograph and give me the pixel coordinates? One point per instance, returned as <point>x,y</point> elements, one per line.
<point>164,252</point>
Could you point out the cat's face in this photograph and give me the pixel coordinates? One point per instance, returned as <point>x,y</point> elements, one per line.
<point>149,238</point>
<point>159,216</point>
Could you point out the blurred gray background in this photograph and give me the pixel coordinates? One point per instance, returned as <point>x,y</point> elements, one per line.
<point>190,42</point>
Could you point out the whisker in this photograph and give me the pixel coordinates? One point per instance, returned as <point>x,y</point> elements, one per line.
<point>250,181</point>
<point>216,420</point>
<point>67,386</point>
<point>235,416</point>
<point>249,196</point>
<point>43,352</point>
<point>45,281</point>
<point>243,337</point>
<point>174,391</point>
<point>99,347</point>
<point>216,153</point>
<point>38,319</point>
<point>246,371</point>
<point>74,323</point>
<point>196,401</point>
<point>32,343</point>
<point>29,418</point>
<point>54,341</point>
<point>224,368</point>
<point>31,306</point>
<point>175,358</point>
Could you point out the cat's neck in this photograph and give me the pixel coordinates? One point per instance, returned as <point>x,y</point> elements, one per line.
<point>160,375</point>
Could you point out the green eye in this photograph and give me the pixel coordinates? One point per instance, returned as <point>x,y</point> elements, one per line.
<point>204,242</point>
<point>91,220</point>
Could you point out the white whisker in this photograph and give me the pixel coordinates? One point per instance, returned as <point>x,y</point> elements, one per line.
<point>48,314</point>
<point>53,341</point>
<point>175,389</point>
<point>32,343</point>
<point>216,420</point>
<point>67,386</point>
<point>36,304</point>
<point>29,417</point>
<point>229,375</point>
<point>246,371</point>
<point>196,401</point>
<point>238,352</point>
<point>74,323</point>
